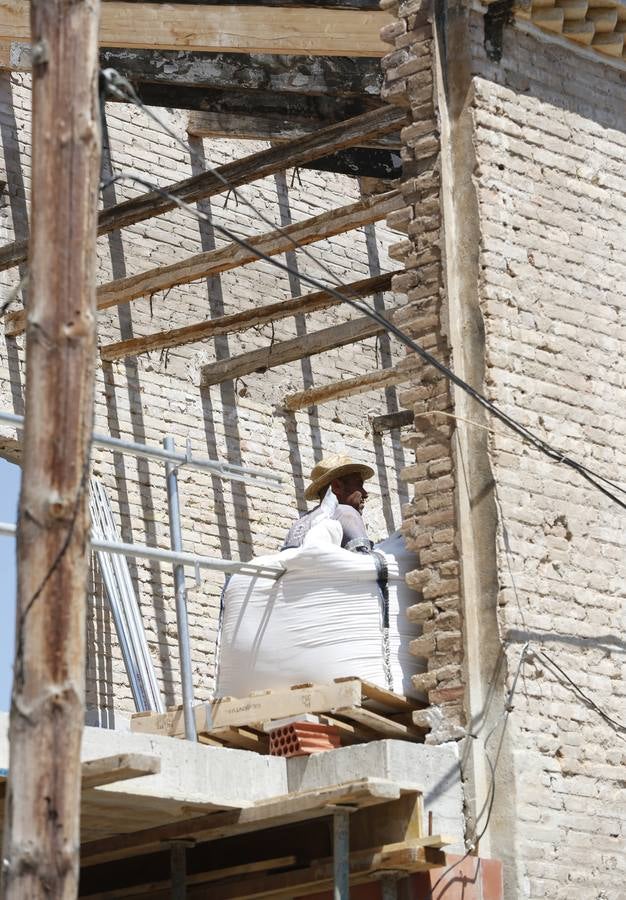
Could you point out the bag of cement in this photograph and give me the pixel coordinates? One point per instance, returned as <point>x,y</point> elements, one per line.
<point>323,619</point>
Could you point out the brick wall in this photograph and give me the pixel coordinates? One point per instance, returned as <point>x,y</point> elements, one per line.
<point>550,182</point>
<point>147,397</point>
<point>430,517</point>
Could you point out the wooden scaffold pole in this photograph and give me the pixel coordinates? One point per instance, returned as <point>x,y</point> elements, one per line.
<point>41,836</point>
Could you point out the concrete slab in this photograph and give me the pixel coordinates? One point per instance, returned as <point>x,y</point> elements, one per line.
<point>433,770</point>
<point>190,773</point>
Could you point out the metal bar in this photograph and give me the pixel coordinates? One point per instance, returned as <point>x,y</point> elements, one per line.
<point>178,869</point>
<point>341,854</point>
<point>182,622</point>
<point>225,470</point>
<point>389,887</point>
<point>169,556</point>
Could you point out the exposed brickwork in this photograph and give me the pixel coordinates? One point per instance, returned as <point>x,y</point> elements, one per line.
<point>430,517</point>
<point>551,182</point>
<point>144,398</point>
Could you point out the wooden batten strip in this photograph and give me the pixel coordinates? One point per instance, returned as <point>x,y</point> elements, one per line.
<point>123,767</point>
<point>289,351</point>
<point>324,142</point>
<point>247,318</point>
<point>213,262</point>
<point>347,387</point>
<point>235,28</point>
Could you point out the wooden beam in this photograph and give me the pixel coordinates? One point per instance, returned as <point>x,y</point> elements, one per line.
<point>247,318</point>
<point>316,878</point>
<point>241,171</point>
<point>324,76</point>
<point>399,419</point>
<point>111,769</point>
<point>260,126</point>
<point>235,28</point>
<point>42,827</point>
<point>276,105</point>
<point>213,262</point>
<point>335,76</point>
<point>288,351</point>
<point>295,807</point>
<point>346,387</point>
<point>322,4</point>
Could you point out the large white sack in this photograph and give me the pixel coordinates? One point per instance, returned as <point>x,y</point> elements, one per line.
<point>321,620</point>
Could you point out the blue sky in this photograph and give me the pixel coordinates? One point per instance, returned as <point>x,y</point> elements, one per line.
<point>9,490</point>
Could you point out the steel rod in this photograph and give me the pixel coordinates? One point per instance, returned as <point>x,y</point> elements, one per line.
<point>341,854</point>
<point>178,869</point>
<point>182,621</point>
<point>168,556</point>
<point>225,470</point>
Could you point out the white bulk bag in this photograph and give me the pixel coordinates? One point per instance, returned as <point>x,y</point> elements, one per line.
<point>321,620</point>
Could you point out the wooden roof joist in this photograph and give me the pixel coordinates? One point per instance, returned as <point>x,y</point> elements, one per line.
<point>247,318</point>
<point>296,153</point>
<point>213,262</point>
<point>345,387</point>
<point>335,76</point>
<point>278,354</point>
<point>235,28</point>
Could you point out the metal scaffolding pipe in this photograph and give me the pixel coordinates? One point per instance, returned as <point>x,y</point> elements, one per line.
<point>169,556</point>
<point>341,854</point>
<point>182,622</point>
<point>229,471</point>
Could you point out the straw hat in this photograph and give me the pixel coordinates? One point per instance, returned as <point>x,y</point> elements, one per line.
<point>332,467</point>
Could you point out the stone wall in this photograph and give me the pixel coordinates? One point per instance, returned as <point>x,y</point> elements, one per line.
<point>147,397</point>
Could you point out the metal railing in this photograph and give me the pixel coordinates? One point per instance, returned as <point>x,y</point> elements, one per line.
<point>176,556</point>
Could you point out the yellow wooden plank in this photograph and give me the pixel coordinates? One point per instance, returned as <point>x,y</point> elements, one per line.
<point>233,28</point>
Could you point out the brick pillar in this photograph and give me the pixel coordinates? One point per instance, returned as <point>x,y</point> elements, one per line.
<point>430,519</point>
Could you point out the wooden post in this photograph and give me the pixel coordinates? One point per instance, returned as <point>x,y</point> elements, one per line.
<point>41,840</point>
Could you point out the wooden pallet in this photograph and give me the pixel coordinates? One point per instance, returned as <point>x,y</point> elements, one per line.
<point>360,710</point>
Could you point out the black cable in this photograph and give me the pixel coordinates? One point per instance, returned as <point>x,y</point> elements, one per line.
<point>389,326</point>
<point>616,725</point>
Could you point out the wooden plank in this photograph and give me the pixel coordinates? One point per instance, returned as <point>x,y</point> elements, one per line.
<point>346,387</point>
<point>296,807</point>
<point>213,262</point>
<point>110,769</point>
<point>242,739</point>
<point>240,29</point>
<point>387,699</point>
<point>380,724</point>
<point>252,711</point>
<point>247,318</point>
<point>151,887</point>
<point>235,174</point>
<point>288,351</point>
<point>318,877</point>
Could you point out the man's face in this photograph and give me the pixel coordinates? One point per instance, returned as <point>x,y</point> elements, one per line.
<point>349,490</point>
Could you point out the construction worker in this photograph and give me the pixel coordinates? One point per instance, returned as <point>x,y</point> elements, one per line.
<point>337,483</point>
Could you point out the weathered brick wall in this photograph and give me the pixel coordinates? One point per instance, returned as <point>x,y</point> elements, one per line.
<point>430,516</point>
<point>551,185</point>
<point>147,397</point>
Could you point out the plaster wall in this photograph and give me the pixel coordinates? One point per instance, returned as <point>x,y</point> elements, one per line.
<point>147,397</point>
<point>550,183</point>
